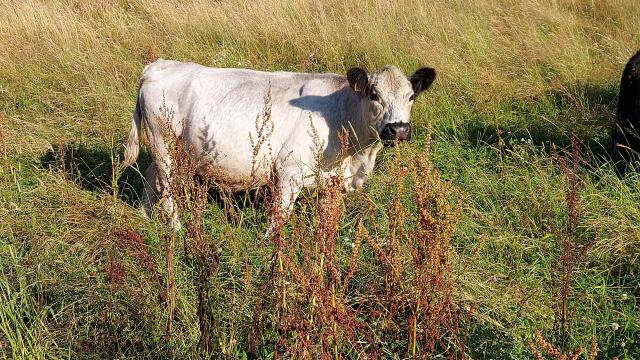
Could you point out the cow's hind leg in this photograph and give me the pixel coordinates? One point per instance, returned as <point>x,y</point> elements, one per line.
<point>288,190</point>
<point>171,210</point>
<point>156,188</point>
<point>150,192</point>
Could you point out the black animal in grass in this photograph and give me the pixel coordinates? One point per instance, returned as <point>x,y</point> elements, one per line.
<point>626,133</point>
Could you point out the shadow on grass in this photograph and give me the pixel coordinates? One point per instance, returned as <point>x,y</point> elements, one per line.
<point>586,110</point>
<point>92,168</point>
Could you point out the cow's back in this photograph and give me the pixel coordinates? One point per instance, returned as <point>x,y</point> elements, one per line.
<point>219,113</point>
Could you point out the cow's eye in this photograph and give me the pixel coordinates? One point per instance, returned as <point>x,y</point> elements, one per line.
<point>412,97</point>
<point>373,97</point>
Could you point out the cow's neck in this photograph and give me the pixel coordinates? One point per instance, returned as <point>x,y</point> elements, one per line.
<point>358,165</point>
<point>357,124</point>
<point>361,157</point>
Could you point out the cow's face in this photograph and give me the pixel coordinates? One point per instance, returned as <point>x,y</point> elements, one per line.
<point>387,97</point>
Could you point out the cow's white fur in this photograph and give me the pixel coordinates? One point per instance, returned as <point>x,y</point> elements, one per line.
<point>215,110</point>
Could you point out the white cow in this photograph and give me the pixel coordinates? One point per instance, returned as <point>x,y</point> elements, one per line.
<point>215,112</point>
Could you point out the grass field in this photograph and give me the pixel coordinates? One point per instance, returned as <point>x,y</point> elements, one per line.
<point>527,232</point>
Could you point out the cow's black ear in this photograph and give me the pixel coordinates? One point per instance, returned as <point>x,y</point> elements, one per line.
<point>422,79</point>
<point>358,79</point>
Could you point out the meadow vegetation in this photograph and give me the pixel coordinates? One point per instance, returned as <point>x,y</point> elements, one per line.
<point>501,231</point>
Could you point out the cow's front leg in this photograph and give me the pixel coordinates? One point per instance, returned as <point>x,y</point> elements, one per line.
<point>287,191</point>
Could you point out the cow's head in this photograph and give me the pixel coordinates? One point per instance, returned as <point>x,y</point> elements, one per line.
<point>632,72</point>
<point>387,97</point>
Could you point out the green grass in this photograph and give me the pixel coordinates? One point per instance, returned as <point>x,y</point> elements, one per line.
<point>514,77</point>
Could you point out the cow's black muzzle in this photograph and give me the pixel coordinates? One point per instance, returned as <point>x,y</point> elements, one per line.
<point>392,132</point>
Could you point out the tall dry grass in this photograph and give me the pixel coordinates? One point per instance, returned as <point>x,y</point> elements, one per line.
<point>82,59</point>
